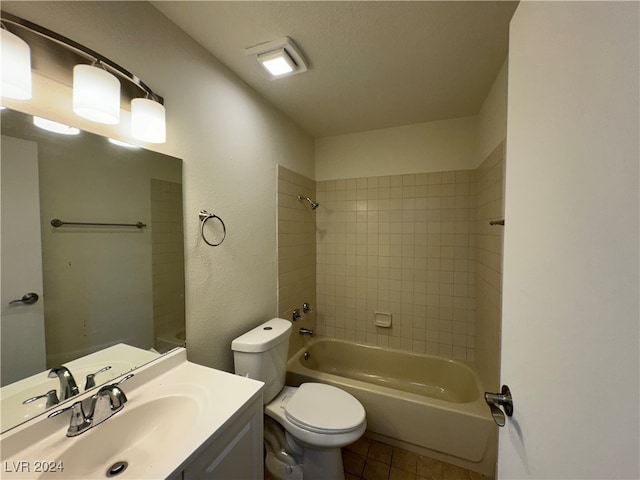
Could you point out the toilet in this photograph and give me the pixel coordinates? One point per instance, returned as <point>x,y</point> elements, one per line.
<point>318,419</point>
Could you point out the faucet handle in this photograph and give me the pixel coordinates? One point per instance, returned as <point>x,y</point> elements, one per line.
<point>77,407</point>
<point>51,396</point>
<point>91,382</point>
<point>125,378</point>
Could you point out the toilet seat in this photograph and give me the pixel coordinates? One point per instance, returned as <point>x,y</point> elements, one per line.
<point>325,409</point>
<point>310,420</point>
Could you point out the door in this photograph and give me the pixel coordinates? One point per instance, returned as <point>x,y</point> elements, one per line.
<point>570,336</point>
<point>21,256</point>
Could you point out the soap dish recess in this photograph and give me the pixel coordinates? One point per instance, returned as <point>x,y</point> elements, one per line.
<point>382,319</point>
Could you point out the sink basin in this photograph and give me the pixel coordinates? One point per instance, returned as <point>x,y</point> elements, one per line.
<point>137,436</point>
<point>173,408</point>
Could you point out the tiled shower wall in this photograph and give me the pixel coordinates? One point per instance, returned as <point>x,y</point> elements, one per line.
<point>400,245</point>
<point>296,251</point>
<point>168,257</point>
<point>417,246</point>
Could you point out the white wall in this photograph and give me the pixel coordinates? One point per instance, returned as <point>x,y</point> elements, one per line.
<point>230,140</point>
<point>419,148</point>
<point>492,118</point>
<point>456,144</point>
<point>570,349</point>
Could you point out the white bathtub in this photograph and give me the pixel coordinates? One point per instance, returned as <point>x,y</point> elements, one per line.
<point>423,403</point>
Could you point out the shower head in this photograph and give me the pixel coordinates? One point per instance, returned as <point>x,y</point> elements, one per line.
<point>313,204</point>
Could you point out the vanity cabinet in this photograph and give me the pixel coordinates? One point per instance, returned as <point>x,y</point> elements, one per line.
<point>234,452</point>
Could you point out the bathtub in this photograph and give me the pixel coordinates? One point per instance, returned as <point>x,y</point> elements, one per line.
<point>168,341</point>
<point>423,403</point>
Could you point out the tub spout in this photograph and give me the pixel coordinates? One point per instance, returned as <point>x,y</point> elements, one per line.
<point>306,331</point>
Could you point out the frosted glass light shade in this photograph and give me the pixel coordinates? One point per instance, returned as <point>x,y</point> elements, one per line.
<point>120,143</point>
<point>55,127</point>
<point>16,67</point>
<point>148,122</point>
<point>96,94</point>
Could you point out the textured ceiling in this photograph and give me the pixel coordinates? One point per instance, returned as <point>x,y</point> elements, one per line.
<point>372,64</point>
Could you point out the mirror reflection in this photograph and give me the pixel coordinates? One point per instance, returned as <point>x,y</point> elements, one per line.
<point>109,281</point>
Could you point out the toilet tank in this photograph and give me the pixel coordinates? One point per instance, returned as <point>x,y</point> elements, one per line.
<point>261,354</point>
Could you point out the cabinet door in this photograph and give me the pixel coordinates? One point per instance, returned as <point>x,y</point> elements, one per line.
<point>236,454</point>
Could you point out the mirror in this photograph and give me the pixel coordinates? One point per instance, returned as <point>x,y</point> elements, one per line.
<point>110,295</point>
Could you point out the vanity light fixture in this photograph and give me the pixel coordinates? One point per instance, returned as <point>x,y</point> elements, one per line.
<point>98,83</point>
<point>16,66</point>
<point>279,58</point>
<point>96,94</point>
<point>148,123</point>
<point>55,127</point>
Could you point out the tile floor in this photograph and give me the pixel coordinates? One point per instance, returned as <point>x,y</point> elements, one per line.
<point>372,460</point>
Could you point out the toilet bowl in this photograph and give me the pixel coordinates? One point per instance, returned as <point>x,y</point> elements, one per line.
<point>318,415</point>
<point>318,419</point>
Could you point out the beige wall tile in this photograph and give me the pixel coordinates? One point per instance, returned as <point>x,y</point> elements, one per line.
<point>417,246</point>
<point>402,225</point>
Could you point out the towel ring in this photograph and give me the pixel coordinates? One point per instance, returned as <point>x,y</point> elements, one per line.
<point>206,216</point>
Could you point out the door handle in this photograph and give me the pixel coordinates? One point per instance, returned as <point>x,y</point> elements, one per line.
<point>497,400</point>
<point>27,299</point>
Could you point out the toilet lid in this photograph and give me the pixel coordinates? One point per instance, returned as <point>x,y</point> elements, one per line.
<point>322,408</point>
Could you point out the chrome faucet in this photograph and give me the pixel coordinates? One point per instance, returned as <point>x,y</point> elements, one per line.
<point>109,400</point>
<point>295,315</point>
<point>306,331</point>
<point>68,387</point>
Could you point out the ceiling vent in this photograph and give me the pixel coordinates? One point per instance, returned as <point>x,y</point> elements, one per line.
<point>278,58</point>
